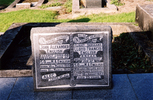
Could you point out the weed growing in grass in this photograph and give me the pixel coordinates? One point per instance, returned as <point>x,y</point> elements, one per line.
<point>68,6</point>
<point>27,15</point>
<point>117,2</point>
<point>51,5</point>
<point>127,55</point>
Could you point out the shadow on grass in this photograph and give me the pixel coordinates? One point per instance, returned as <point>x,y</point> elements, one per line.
<point>80,20</point>
<point>6,2</point>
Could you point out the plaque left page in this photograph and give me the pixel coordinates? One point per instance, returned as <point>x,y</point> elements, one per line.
<point>52,60</point>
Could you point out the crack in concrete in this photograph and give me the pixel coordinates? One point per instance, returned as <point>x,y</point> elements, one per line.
<point>132,87</point>
<point>12,89</point>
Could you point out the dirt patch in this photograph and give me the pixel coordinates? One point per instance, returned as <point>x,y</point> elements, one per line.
<point>130,5</point>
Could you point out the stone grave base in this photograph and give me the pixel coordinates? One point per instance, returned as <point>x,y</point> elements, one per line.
<point>10,38</point>
<point>77,11</point>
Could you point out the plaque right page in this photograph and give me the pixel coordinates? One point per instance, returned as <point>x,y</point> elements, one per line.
<point>90,59</point>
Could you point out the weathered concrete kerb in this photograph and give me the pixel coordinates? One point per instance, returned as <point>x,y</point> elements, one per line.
<point>25,5</point>
<point>13,4</point>
<point>144,17</point>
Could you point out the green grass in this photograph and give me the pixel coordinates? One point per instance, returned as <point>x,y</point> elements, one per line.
<point>117,2</point>
<point>6,2</point>
<point>123,17</point>
<point>6,19</point>
<point>68,6</point>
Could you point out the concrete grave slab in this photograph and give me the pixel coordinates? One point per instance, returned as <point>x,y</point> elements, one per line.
<point>23,84</point>
<point>21,96</point>
<point>54,95</point>
<point>121,90</point>
<point>126,87</point>
<point>6,86</point>
<point>142,85</point>
<point>23,89</point>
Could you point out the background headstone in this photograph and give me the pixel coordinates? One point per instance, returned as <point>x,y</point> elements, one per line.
<point>86,7</point>
<point>144,17</point>
<point>93,3</point>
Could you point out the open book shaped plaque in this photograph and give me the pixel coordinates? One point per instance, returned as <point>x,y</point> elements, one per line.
<point>69,60</point>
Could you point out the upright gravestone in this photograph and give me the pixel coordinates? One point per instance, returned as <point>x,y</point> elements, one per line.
<point>71,57</point>
<point>93,3</point>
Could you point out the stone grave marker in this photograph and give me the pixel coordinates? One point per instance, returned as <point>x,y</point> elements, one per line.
<point>71,57</point>
<point>93,3</point>
<point>86,7</point>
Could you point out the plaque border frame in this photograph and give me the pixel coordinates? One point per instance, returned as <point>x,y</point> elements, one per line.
<point>67,87</point>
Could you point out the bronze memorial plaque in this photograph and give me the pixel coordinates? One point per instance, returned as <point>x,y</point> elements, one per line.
<point>69,60</point>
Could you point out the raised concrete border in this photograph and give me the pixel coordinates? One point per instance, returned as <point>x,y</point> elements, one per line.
<point>23,5</point>
<point>13,4</point>
<point>40,2</point>
<point>144,17</point>
<point>1,33</point>
<point>15,73</point>
<point>9,38</point>
<point>77,11</point>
